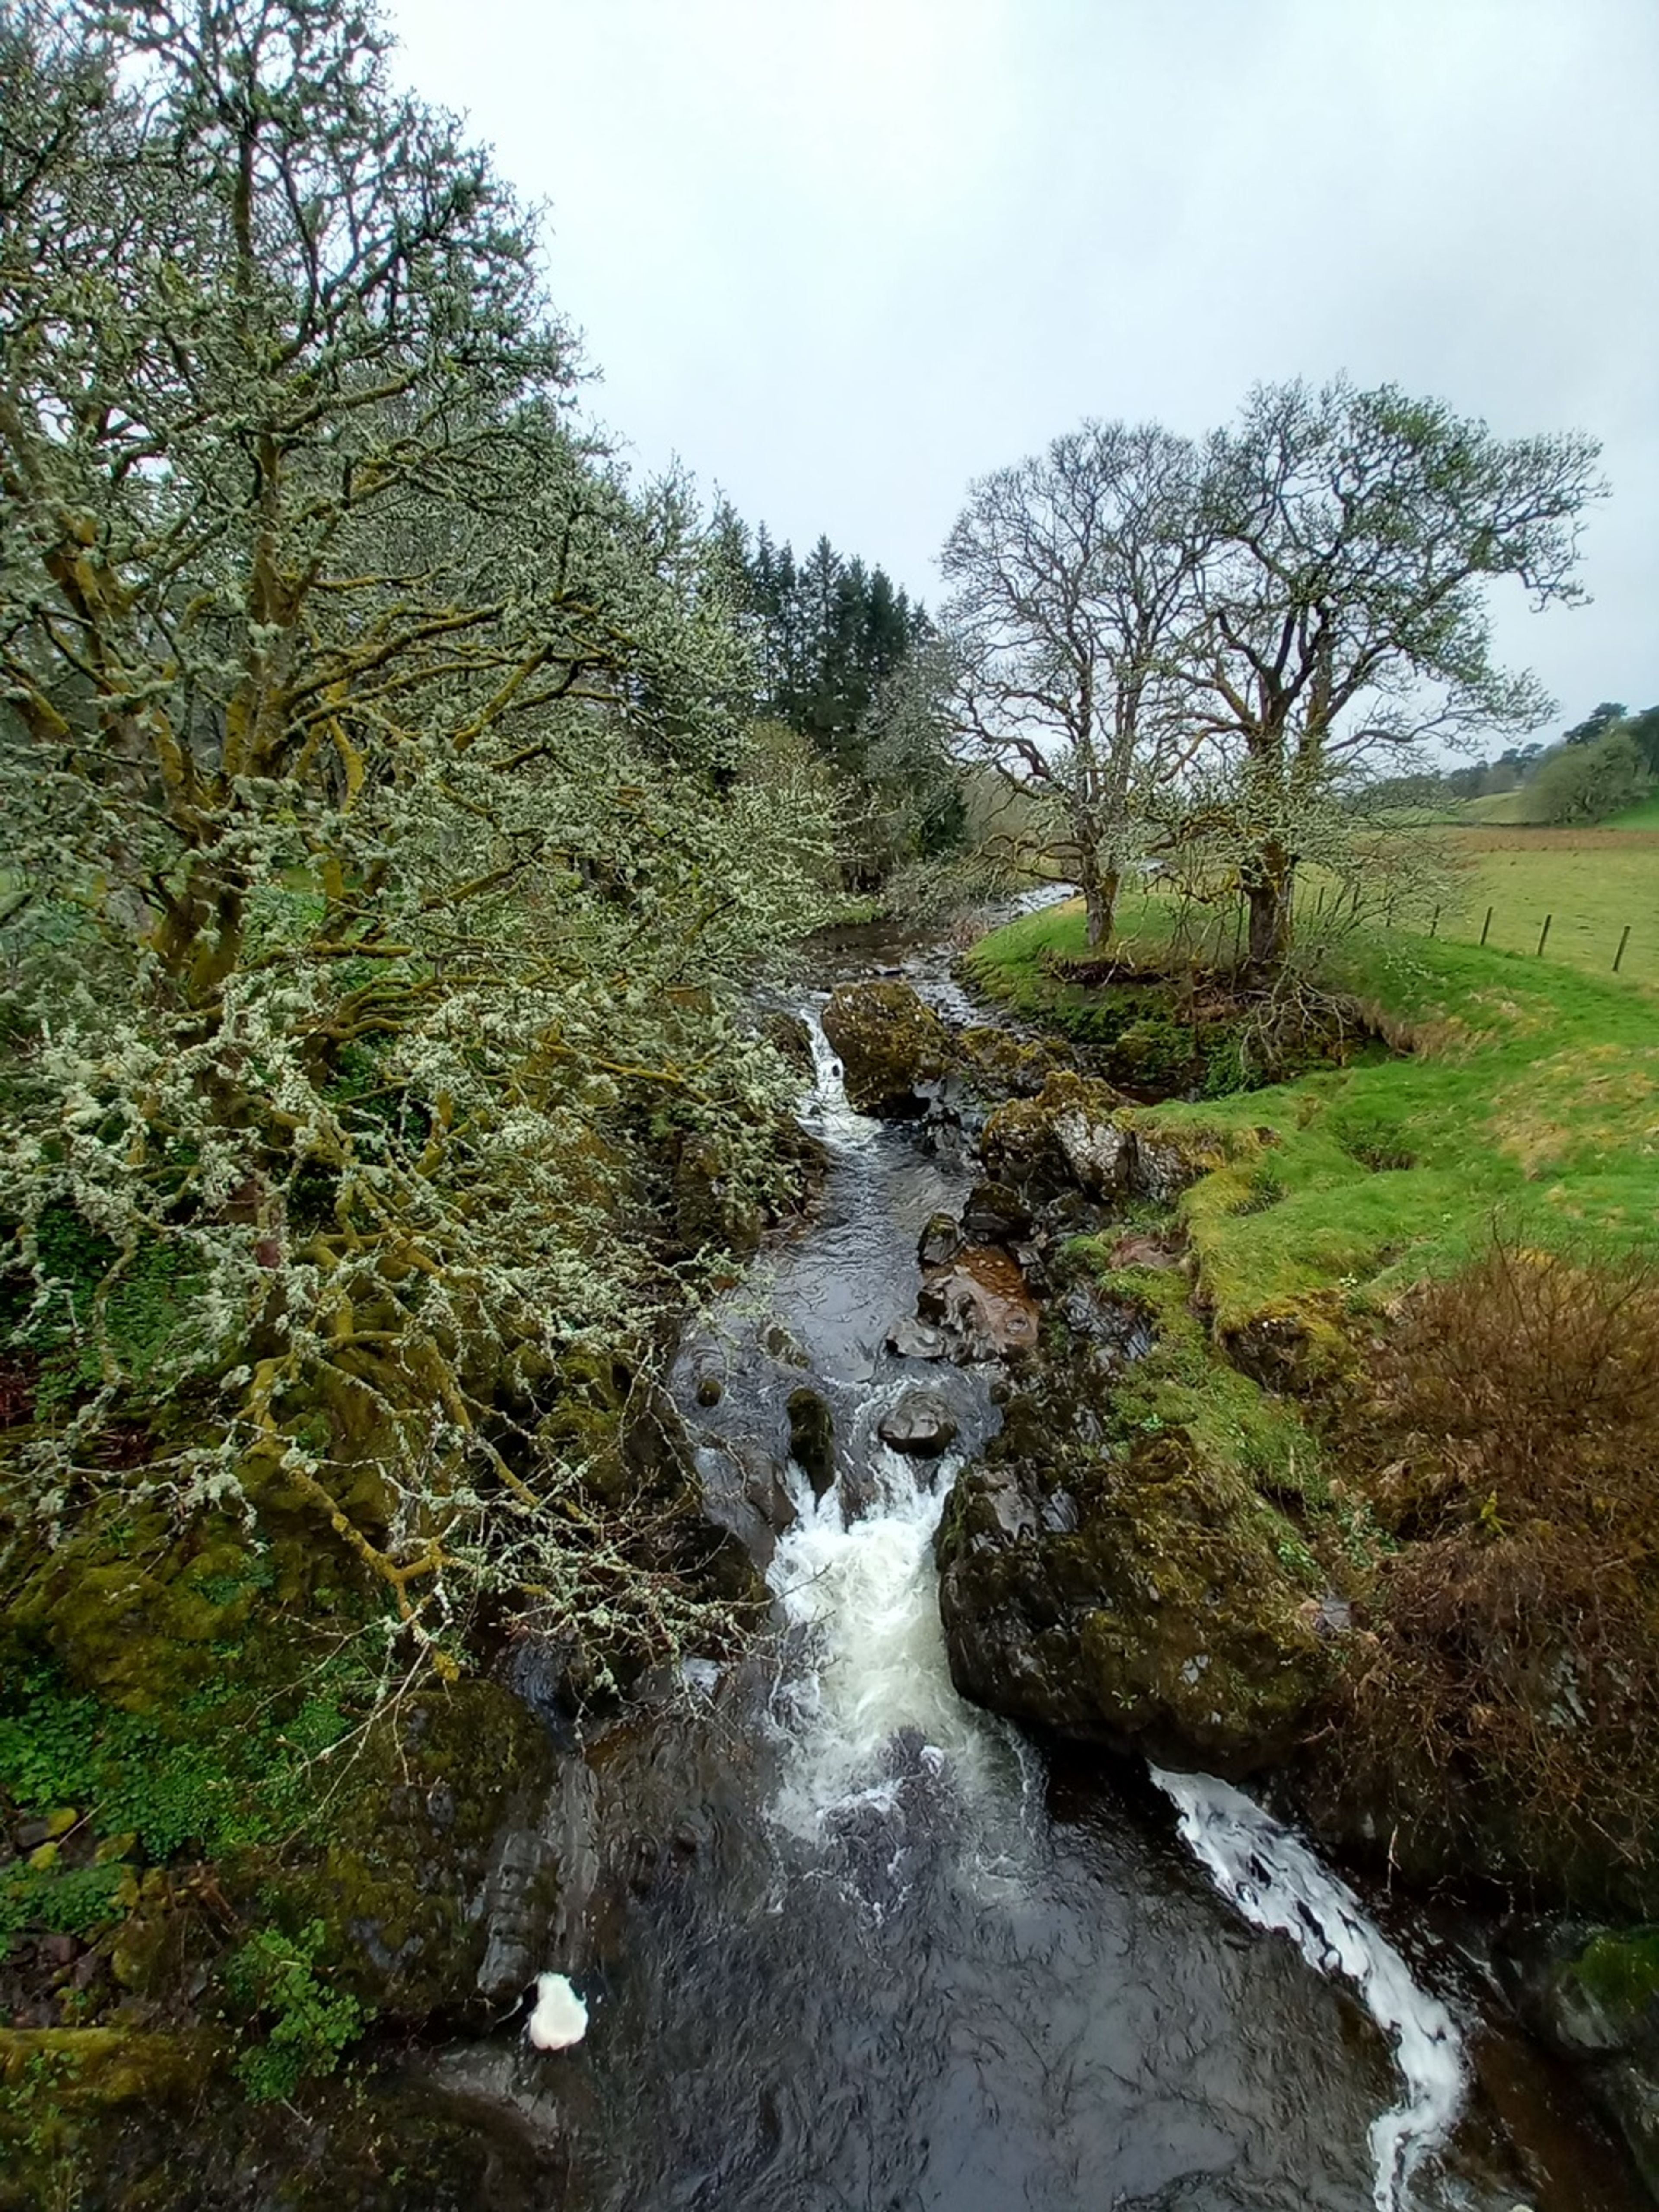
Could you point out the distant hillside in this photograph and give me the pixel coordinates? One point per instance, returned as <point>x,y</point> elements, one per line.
<point>1507,808</point>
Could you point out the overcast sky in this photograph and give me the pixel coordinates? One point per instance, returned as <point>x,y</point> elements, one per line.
<point>841,256</point>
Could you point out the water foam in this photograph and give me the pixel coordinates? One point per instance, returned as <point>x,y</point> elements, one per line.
<point>865,1591</point>
<point>1277,1884</point>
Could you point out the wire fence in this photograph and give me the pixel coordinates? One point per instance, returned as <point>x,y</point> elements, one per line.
<point>1216,931</point>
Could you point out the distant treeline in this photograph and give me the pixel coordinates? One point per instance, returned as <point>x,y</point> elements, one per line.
<point>1595,769</point>
<point>842,660</point>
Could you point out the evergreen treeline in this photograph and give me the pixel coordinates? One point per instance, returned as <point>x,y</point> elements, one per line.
<point>848,661</point>
<point>828,631</point>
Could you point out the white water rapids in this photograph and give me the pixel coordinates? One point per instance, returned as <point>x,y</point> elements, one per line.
<point>864,1589</point>
<point>1277,1883</point>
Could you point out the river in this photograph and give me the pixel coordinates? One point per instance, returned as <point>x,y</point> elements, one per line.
<point>858,1947</point>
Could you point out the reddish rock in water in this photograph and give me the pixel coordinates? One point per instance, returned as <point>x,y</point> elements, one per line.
<point>982,1302</point>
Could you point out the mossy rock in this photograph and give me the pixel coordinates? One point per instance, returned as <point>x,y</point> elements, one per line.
<point>93,2066</point>
<point>137,1611</point>
<point>891,1046</point>
<point>790,1038</point>
<point>1074,1135</point>
<point>812,1438</point>
<point>128,2121</point>
<point>1293,1344</point>
<point>1000,1064</point>
<point>439,1776</point>
<point>710,1207</point>
<point>1140,1601</point>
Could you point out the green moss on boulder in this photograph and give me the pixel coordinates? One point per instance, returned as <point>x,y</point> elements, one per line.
<point>1131,1588</point>
<point>891,1046</point>
<point>400,1881</point>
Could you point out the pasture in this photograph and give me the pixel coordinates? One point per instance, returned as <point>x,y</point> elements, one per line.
<point>1592,884</point>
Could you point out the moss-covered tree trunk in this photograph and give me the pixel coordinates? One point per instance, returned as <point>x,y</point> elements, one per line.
<point>1270,892</point>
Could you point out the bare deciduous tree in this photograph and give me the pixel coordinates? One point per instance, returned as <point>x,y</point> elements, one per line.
<point>1071,613</point>
<point>1352,536</point>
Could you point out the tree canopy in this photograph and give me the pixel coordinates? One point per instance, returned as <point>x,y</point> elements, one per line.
<point>388,857</point>
<point>1305,596</point>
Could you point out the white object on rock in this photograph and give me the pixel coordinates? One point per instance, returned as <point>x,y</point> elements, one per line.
<point>559,2018</point>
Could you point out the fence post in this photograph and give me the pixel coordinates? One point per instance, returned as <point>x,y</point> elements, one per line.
<point>1620,954</point>
<point>1434,927</point>
<point>1543,934</point>
<point>1485,925</point>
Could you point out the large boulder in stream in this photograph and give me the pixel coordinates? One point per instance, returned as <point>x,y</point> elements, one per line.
<point>921,1424</point>
<point>893,1049</point>
<point>812,1438</point>
<point>1136,1601</point>
<point>1074,1135</point>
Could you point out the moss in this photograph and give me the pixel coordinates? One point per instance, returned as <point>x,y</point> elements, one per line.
<point>999,1063</point>
<point>890,1044</point>
<point>1518,1089</point>
<point>135,1614</point>
<point>1621,1972</point>
<point>411,1820</point>
<point>1187,1384</point>
<point>1164,1616</point>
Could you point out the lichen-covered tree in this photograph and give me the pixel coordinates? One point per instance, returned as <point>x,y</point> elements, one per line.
<point>1072,601</point>
<point>386,858</point>
<point>1354,536</point>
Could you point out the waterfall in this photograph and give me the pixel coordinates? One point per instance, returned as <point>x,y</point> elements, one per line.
<point>868,1715</point>
<point>1277,1884</point>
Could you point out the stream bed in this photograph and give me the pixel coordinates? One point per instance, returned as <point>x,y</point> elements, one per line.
<point>857,1946</point>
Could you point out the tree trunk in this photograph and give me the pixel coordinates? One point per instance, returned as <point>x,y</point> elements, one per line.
<point>1270,888</point>
<point>1100,900</point>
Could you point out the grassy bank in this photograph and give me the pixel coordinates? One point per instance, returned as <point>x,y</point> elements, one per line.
<point>1527,1096</point>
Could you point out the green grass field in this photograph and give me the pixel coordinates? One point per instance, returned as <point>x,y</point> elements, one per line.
<point>1590,882</point>
<point>1506,808</point>
<point>1527,1100</point>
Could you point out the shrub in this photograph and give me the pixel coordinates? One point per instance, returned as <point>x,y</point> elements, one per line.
<point>1515,1652</point>
<point>1588,783</point>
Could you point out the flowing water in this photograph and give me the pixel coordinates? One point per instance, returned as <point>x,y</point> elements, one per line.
<point>859,1949</point>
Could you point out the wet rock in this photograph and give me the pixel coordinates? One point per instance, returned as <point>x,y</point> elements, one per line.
<point>518,1897</point>
<point>744,1493</point>
<point>812,1438</point>
<point>1000,1064</point>
<point>917,1340</point>
<point>921,1424</point>
<point>778,1344</point>
<point>789,1036</point>
<point>1117,1329</point>
<point>1074,1135</point>
<point>1162,1168</point>
<point>1593,1995</point>
<point>855,1490</point>
<point>433,1858</point>
<point>536,1669</point>
<point>982,1304</point>
<point>892,1047</point>
<point>765,1490</point>
<point>995,1215</point>
<point>940,1241</point>
<point>1139,1602</point>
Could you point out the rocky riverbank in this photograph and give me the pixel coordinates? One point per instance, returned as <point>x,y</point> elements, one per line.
<point>1190,1535</point>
